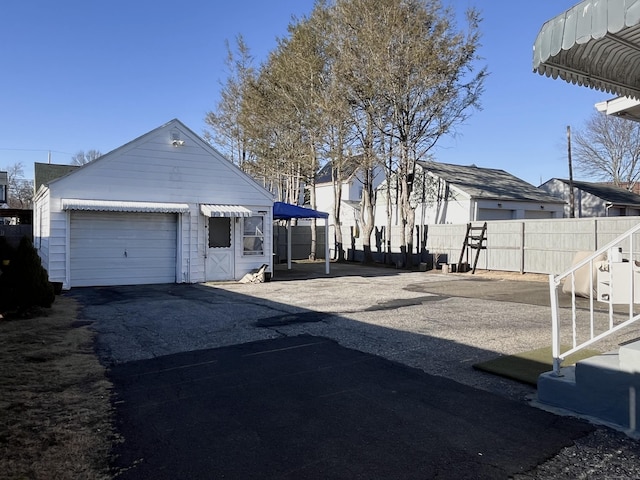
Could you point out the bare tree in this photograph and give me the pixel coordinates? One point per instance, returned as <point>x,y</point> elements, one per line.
<point>413,76</point>
<point>608,148</point>
<point>19,189</point>
<point>82,158</point>
<point>226,121</point>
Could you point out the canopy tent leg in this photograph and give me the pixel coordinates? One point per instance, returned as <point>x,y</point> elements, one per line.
<point>326,245</point>
<point>289,244</point>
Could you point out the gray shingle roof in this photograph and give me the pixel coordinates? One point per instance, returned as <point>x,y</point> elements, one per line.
<point>608,193</point>
<point>488,183</point>
<point>47,172</point>
<point>350,166</point>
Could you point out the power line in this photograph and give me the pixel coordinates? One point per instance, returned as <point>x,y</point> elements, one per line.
<point>33,150</point>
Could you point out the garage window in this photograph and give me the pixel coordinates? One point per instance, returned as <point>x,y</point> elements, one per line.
<point>219,232</point>
<point>252,236</point>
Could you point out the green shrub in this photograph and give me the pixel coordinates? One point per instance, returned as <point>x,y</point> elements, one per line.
<point>24,282</point>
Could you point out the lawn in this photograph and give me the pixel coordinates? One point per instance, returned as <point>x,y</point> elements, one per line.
<point>55,412</point>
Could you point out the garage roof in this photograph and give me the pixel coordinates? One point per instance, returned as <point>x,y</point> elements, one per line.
<point>596,43</point>
<point>118,206</point>
<point>225,211</point>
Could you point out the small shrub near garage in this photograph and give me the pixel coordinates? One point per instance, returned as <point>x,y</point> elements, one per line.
<point>24,282</point>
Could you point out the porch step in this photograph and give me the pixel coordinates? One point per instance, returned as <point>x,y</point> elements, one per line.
<point>605,387</point>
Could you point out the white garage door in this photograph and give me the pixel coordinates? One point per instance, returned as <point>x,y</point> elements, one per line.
<point>117,248</point>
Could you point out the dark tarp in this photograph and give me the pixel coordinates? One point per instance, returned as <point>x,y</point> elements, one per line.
<point>287,211</point>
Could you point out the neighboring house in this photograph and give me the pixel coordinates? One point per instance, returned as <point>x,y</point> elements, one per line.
<point>351,191</point>
<point>594,199</point>
<point>44,173</point>
<point>446,193</point>
<point>163,208</point>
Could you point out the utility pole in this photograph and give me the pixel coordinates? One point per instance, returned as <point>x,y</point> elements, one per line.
<point>572,208</point>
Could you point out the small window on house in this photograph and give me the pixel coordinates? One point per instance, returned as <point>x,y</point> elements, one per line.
<point>219,232</point>
<point>253,236</point>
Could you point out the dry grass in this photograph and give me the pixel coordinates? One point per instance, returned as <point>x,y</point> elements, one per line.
<point>55,413</point>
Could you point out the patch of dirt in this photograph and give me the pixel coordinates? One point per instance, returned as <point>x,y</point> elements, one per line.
<point>55,411</point>
<point>500,275</point>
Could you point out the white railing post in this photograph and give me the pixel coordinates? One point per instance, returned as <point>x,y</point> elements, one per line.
<point>613,258</point>
<point>555,325</point>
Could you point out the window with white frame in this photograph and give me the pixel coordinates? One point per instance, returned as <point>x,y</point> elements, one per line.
<point>253,236</point>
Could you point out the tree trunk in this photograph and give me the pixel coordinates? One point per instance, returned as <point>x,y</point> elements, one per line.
<point>337,196</point>
<point>366,213</point>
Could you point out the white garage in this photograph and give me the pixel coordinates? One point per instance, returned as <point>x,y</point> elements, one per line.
<point>143,214</point>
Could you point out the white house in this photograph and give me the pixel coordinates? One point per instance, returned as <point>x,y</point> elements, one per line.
<point>445,193</point>
<point>594,199</point>
<point>163,208</point>
<point>351,194</point>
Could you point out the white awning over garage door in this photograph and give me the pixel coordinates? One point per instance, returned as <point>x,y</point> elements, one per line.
<point>225,211</point>
<point>118,206</point>
<point>122,248</point>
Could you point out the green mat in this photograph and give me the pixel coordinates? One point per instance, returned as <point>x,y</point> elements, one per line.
<point>526,367</point>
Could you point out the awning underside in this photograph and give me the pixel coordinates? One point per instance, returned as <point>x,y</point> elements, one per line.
<point>596,44</point>
<point>119,206</point>
<point>225,211</point>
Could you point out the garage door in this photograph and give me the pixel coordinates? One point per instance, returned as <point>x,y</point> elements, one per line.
<point>118,248</point>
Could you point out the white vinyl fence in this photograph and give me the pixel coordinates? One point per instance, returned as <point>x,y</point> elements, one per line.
<point>526,246</point>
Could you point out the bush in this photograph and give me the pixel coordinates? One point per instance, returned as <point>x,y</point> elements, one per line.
<point>24,283</point>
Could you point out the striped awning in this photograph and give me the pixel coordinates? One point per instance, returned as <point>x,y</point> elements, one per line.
<point>596,44</point>
<point>225,211</point>
<point>120,206</point>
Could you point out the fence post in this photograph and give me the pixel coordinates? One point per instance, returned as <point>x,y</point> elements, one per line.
<point>522,224</point>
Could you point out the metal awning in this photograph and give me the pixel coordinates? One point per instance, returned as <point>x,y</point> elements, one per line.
<point>118,206</point>
<point>225,211</point>
<point>596,44</point>
<point>625,107</point>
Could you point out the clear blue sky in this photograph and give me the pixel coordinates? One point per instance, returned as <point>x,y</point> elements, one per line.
<point>80,75</point>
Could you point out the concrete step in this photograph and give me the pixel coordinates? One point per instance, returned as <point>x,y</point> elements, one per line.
<point>605,387</point>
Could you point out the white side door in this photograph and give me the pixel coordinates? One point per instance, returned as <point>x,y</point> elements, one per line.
<point>220,260</point>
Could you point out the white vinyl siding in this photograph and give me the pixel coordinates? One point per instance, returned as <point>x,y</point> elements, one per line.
<point>150,169</point>
<point>115,248</point>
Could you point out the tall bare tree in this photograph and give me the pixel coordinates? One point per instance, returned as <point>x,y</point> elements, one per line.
<point>389,78</point>
<point>412,75</point>
<point>82,157</point>
<point>226,123</point>
<point>608,148</point>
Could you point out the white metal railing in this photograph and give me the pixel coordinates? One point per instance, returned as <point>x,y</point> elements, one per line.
<point>617,283</point>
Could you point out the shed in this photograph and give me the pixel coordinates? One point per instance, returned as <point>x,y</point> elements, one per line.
<point>163,208</point>
<point>448,193</point>
<point>594,199</point>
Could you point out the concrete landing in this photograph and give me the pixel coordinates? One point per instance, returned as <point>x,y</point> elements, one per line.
<point>604,387</point>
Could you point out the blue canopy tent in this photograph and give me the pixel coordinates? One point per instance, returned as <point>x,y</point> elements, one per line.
<point>287,211</point>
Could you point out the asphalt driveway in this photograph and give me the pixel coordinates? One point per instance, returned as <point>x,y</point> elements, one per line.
<point>364,375</point>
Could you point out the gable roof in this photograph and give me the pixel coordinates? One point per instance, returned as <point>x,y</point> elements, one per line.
<point>349,167</point>
<point>488,183</point>
<point>608,193</point>
<point>184,132</point>
<point>46,172</point>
